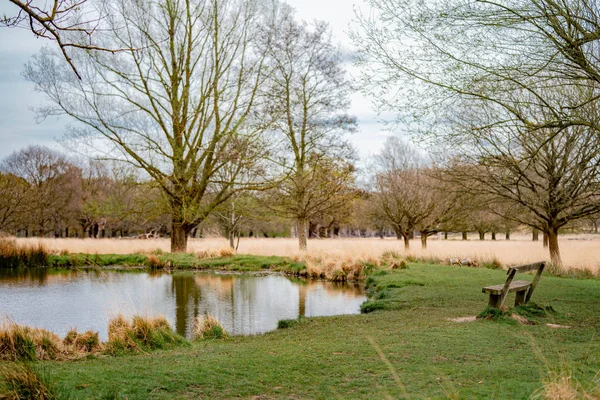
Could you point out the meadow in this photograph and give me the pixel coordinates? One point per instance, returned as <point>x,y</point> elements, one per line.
<point>414,346</point>
<point>578,251</point>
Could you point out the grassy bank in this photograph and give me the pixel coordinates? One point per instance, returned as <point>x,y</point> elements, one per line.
<point>408,348</point>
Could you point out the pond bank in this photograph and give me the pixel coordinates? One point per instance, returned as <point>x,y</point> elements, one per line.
<point>409,348</point>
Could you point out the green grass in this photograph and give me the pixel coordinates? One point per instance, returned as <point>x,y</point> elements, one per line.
<point>408,346</point>
<point>183,261</point>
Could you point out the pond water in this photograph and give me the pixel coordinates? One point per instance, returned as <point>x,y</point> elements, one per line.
<point>59,300</point>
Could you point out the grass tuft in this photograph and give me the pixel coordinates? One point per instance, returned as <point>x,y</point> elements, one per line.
<point>286,323</point>
<point>13,255</point>
<point>24,381</point>
<point>208,327</point>
<point>86,342</point>
<point>140,334</point>
<point>22,343</point>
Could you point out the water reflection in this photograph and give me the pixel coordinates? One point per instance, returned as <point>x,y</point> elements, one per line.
<point>58,300</point>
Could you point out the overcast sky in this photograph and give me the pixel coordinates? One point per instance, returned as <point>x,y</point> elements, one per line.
<point>18,127</point>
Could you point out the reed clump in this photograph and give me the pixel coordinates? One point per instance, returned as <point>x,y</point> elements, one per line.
<point>85,342</point>
<point>12,255</point>
<point>222,252</point>
<point>25,381</point>
<point>140,334</point>
<point>208,327</point>
<point>336,267</point>
<point>22,343</point>
<point>154,262</point>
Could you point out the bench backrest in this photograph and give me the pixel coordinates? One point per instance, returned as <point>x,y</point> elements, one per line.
<point>539,266</point>
<point>528,267</point>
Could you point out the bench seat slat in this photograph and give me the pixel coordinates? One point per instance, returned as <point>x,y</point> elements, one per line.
<point>514,286</point>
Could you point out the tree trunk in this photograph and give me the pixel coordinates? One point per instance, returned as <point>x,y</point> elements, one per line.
<point>302,234</point>
<point>493,235</point>
<point>535,235</point>
<point>406,242</point>
<point>545,240</point>
<point>411,234</point>
<point>508,234</point>
<point>481,235</point>
<point>445,235</point>
<point>178,238</point>
<point>423,241</point>
<point>553,246</point>
<point>398,234</point>
<point>464,235</point>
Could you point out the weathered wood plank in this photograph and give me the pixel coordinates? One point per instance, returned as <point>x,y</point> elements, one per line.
<point>528,267</point>
<point>535,281</point>
<point>513,287</point>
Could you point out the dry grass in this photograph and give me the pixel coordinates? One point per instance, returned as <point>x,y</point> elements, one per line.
<point>578,251</point>
<point>15,254</point>
<point>24,381</point>
<point>562,386</point>
<point>86,342</point>
<point>22,343</point>
<point>208,327</point>
<point>335,267</point>
<point>140,334</point>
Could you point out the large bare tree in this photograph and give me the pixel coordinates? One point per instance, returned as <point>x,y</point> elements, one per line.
<point>176,104</point>
<point>309,95</point>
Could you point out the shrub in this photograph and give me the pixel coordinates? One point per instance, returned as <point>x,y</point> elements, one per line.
<point>24,381</point>
<point>208,327</point>
<point>286,323</point>
<point>142,333</point>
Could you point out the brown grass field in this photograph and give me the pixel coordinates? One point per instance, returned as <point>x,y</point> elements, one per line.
<point>578,251</point>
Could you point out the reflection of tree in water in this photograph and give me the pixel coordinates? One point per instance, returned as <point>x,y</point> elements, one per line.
<point>247,305</point>
<point>187,295</point>
<point>35,276</point>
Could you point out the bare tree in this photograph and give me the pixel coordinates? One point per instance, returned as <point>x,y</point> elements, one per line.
<point>309,95</point>
<point>14,192</point>
<point>72,24</point>
<point>53,182</point>
<point>541,178</point>
<point>503,57</point>
<point>175,107</point>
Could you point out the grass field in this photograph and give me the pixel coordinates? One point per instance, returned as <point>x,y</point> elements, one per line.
<point>411,349</point>
<point>578,251</point>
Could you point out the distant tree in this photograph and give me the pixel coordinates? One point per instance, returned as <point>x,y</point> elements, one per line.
<point>542,178</point>
<point>14,192</point>
<point>52,180</point>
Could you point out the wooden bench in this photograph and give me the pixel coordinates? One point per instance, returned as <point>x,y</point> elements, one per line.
<point>498,293</point>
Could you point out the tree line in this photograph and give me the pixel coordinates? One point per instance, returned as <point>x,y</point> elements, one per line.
<point>214,100</point>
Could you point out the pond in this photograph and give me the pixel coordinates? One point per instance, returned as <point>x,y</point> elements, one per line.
<point>59,300</point>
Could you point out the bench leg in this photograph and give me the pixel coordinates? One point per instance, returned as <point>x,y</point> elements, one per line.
<point>520,298</point>
<point>494,300</point>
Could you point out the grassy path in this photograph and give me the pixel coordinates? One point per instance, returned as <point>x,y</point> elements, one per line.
<point>409,348</point>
